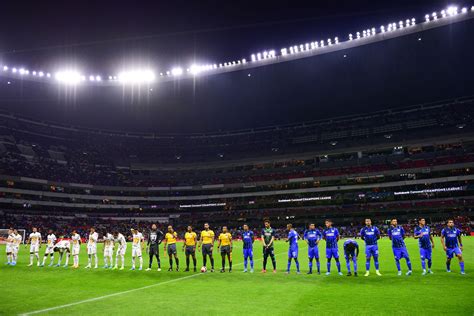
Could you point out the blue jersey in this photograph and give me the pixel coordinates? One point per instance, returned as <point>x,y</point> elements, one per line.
<point>247,238</point>
<point>312,236</point>
<point>350,245</point>
<point>370,235</point>
<point>293,238</point>
<point>424,241</point>
<point>451,237</point>
<point>331,235</point>
<point>397,234</point>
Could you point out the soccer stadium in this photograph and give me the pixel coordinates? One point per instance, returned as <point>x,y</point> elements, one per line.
<point>237,159</point>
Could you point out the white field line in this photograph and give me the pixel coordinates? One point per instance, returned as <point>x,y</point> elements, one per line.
<point>94,299</point>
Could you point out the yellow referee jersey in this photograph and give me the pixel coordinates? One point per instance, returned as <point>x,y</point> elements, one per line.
<point>225,239</point>
<point>207,236</point>
<point>190,238</point>
<point>171,238</point>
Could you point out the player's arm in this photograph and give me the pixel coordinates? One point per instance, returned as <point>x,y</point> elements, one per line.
<point>432,241</point>
<point>231,243</point>
<point>357,250</point>
<point>164,245</point>
<point>271,241</point>
<point>263,241</point>
<point>200,243</point>
<point>442,241</point>
<point>213,240</point>
<point>219,242</point>
<point>460,241</point>
<point>378,233</point>
<point>389,233</point>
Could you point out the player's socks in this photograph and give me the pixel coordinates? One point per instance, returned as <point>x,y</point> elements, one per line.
<point>212,263</point>
<point>318,265</point>
<point>328,266</point>
<point>367,265</point>
<point>423,264</point>
<point>31,259</point>
<point>409,264</point>
<point>310,266</point>
<point>264,262</point>
<point>376,262</point>
<point>461,265</point>
<point>338,265</point>
<point>397,262</point>
<point>187,264</point>
<point>297,265</point>
<point>288,266</point>
<point>354,260</point>
<point>429,264</point>
<point>448,266</point>
<point>274,263</point>
<point>251,264</point>
<point>230,266</point>
<point>348,266</point>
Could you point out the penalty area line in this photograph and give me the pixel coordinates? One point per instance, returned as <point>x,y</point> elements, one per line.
<point>94,299</point>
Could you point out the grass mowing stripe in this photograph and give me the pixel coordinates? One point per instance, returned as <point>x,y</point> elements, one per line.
<point>123,292</point>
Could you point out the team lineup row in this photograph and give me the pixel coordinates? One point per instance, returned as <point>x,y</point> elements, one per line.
<point>450,239</point>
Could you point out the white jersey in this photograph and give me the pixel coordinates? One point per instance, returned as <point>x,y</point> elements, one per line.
<point>137,240</point>
<point>51,240</point>
<point>35,239</point>
<point>18,240</point>
<point>109,241</point>
<point>121,241</point>
<point>76,244</point>
<point>63,244</point>
<point>93,239</point>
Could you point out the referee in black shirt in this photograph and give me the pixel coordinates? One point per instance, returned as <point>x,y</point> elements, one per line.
<point>154,240</point>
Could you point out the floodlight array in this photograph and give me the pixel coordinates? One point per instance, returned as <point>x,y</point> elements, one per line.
<point>147,76</point>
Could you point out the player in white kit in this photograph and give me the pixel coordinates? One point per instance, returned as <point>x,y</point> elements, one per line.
<point>9,246</point>
<point>35,244</point>
<point>63,247</point>
<point>16,246</point>
<point>108,250</point>
<point>51,241</point>
<point>121,249</point>
<point>76,247</point>
<point>92,248</point>
<point>137,246</point>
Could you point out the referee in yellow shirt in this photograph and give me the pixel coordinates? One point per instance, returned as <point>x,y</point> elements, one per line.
<point>170,247</point>
<point>189,246</point>
<point>225,245</point>
<point>207,243</point>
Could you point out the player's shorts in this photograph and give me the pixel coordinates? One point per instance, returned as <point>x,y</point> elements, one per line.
<point>225,250</point>
<point>248,252</point>
<point>332,253</point>
<point>371,250</point>
<point>121,250</point>
<point>49,250</point>
<point>349,255</point>
<point>153,250</point>
<point>450,252</point>
<point>207,249</point>
<point>268,251</point>
<point>108,252</point>
<point>9,249</point>
<point>171,249</point>
<point>136,252</point>
<point>425,253</point>
<point>400,253</point>
<point>293,252</point>
<point>190,250</point>
<point>34,248</point>
<point>313,252</point>
<point>15,249</point>
<point>75,250</point>
<point>91,250</point>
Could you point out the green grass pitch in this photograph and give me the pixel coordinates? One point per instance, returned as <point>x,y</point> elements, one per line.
<point>60,291</point>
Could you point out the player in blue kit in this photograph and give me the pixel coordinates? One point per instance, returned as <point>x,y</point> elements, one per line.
<point>292,239</point>
<point>312,237</point>
<point>370,234</point>
<point>331,236</point>
<point>247,238</point>
<point>397,235</point>
<point>452,244</point>
<point>426,244</point>
<point>351,252</point>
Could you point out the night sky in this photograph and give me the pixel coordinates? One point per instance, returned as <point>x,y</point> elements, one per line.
<point>104,36</point>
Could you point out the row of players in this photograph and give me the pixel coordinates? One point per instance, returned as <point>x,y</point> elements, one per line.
<point>450,240</point>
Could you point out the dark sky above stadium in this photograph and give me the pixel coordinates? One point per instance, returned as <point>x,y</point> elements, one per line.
<point>103,36</point>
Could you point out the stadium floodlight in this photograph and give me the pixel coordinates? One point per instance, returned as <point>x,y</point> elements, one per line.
<point>427,17</point>
<point>98,78</point>
<point>136,76</point>
<point>91,78</point>
<point>5,68</point>
<point>14,70</point>
<point>472,8</point>
<point>452,10</point>
<point>464,10</point>
<point>382,29</point>
<point>358,35</point>
<point>194,69</point>
<point>41,74</point>
<point>350,37</point>
<point>68,77</point>
<point>177,71</point>
<point>34,73</point>
<point>48,75</point>
<point>443,13</point>
<point>336,40</point>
